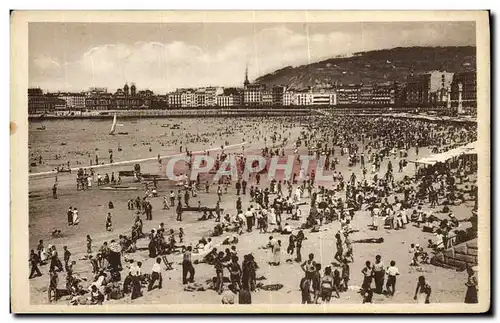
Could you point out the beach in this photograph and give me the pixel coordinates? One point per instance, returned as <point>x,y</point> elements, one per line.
<point>148,138</point>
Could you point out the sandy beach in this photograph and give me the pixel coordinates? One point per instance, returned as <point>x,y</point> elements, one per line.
<point>84,137</point>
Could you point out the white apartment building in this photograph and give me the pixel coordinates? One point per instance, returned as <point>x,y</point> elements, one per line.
<point>74,101</point>
<point>188,100</point>
<point>325,98</point>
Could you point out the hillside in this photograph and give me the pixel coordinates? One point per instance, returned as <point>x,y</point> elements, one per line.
<point>374,66</point>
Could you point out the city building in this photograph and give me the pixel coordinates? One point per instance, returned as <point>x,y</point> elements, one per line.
<point>440,83</point>
<point>99,101</point>
<point>400,93</point>
<point>348,94</point>
<point>377,94</point>
<point>127,99</point>
<point>323,98</point>
<point>174,100</point>
<point>278,91</point>
<point>188,99</point>
<point>463,93</point>
<point>38,102</point>
<point>289,98</point>
<point>252,94</point>
<point>231,97</point>
<point>303,98</point>
<point>428,89</point>
<point>417,89</point>
<point>74,101</point>
<point>210,95</point>
<point>267,97</point>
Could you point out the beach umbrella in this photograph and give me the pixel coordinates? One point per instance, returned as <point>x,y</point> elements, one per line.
<point>115,247</point>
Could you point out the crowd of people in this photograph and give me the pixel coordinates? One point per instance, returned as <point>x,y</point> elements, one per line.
<point>296,207</point>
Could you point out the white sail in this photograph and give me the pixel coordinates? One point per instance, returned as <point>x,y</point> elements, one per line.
<point>113,126</point>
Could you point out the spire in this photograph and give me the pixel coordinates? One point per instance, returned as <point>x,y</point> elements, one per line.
<point>246,82</point>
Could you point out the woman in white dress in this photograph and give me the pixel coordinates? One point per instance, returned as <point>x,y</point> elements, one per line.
<point>271,217</point>
<point>76,218</point>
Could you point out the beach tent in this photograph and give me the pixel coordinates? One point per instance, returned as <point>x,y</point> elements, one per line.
<point>469,149</point>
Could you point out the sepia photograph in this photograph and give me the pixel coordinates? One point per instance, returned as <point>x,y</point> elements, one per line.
<point>250,162</point>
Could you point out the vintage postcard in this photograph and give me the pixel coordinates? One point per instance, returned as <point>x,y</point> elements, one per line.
<point>250,161</point>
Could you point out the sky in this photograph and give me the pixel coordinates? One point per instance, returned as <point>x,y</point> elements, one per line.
<point>163,57</point>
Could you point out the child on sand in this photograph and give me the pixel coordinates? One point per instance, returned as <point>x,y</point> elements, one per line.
<point>89,244</point>
<point>108,222</point>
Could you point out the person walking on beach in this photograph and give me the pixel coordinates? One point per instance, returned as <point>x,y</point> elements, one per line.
<point>238,188</point>
<point>340,250</point>
<point>54,191</point>
<point>309,266</point>
<point>70,216</point>
<point>187,267</point>
<point>186,198</point>
<point>89,244</point>
<point>108,222</point>
<point>76,218</point>
<point>346,272</point>
<point>34,261</point>
<point>219,271</point>
<point>277,253</point>
<point>178,211</point>
<point>66,256</point>
<point>235,273</point>
<point>172,198</point>
<point>244,186</point>
<point>135,272</point>
<point>54,259</point>
<point>422,292</point>
<point>379,274</point>
<point>156,275</point>
<point>367,272</point>
<point>471,294</point>
<point>298,245</point>
<point>219,193</point>
<point>392,272</point>
<point>39,250</point>
<point>53,292</point>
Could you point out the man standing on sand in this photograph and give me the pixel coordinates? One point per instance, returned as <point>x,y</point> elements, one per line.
<point>54,259</point>
<point>172,198</point>
<point>379,274</point>
<point>53,282</point>
<point>156,275</point>
<point>108,222</point>
<point>178,211</point>
<point>187,267</point>
<point>249,219</point>
<point>66,256</point>
<point>135,272</point>
<point>392,272</point>
<point>34,260</point>
<point>70,216</point>
<point>238,187</point>
<point>244,186</point>
<point>39,249</point>
<point>54,191</point>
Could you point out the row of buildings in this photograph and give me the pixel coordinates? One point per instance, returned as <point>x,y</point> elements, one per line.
<point>436,89</point>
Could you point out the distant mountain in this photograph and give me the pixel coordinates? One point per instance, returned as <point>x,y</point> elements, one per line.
<point>374,66</point>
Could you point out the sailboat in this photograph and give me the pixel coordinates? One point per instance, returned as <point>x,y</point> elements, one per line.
<point>113,127</point>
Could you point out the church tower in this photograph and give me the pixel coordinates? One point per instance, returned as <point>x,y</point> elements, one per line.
<point>246,82</point>
<point>125,89</point>
<point>132,89</point>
